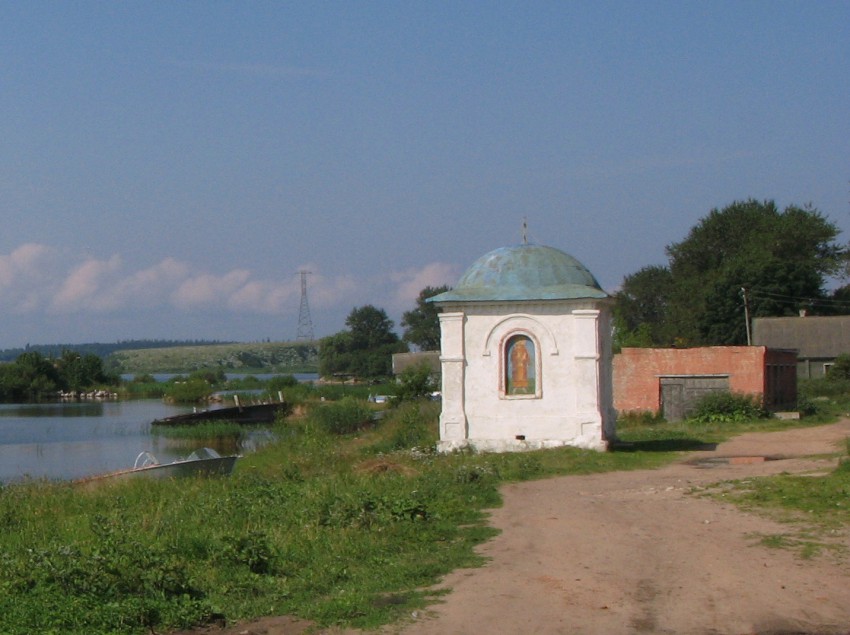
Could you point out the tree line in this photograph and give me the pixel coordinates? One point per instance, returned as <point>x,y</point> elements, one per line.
<point>33,377</point>
<point>749,259</point>
<point>365,348</point>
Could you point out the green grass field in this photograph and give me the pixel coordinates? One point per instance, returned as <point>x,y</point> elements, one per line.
<point>264,357</point>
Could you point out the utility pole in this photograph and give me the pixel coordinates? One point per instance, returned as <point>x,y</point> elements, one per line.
<point>305,322</point>
<point>746,314</point>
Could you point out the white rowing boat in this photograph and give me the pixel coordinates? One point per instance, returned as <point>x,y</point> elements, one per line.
<point>202,462</point>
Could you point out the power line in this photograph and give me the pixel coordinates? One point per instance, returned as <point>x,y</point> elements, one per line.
<point>770,295</point>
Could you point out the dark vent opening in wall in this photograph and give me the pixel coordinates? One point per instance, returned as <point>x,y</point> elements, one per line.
<point>520,437</point>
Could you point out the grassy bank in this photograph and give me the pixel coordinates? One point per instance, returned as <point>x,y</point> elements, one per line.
<point>347,529</point>
<point>266,357</point>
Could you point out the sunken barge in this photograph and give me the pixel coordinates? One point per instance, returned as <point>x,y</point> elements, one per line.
<point>252,414</point>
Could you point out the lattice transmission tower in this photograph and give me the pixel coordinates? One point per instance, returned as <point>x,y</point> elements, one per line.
<point>305,322</point>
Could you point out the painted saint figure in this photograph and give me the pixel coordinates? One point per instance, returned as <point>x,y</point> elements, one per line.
<point>520,366</point>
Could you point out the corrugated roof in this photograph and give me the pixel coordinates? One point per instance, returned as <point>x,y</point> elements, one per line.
<point>811,336</point>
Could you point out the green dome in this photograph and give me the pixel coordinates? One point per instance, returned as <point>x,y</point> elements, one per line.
<point>524,272</point>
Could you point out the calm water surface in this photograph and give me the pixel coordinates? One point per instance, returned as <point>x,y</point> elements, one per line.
<point>74,440</point>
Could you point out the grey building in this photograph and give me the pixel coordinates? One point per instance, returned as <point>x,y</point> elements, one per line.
<point>403,361</point>
<point>818,340</point>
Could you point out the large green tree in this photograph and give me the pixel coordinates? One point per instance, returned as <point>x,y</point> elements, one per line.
<point>642,306</point>
<point>422,324</point>
<point>30,378</point>
<point>34,377</point>
<point>81,372</point>
<point>775,260</point>
<point>363,350</point>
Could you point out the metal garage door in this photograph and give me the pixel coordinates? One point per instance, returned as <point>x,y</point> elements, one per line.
<point>680,394</point>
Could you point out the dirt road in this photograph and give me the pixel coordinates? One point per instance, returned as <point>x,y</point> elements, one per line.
<point>638,552</point>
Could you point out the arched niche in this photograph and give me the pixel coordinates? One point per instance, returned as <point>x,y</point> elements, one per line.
<point>520,322</point>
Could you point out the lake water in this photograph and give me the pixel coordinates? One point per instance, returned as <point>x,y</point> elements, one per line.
<point>302,377</point>
<point>75,440</point>
<point>70,440</point>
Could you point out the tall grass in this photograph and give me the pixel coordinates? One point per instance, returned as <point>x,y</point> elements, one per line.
<point>825,398</point>
<point>201,430</point>
<point>342,417</point>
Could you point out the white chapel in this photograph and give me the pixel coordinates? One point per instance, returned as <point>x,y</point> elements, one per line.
<point>526,354</point>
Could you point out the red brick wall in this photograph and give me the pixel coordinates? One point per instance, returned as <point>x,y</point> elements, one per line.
<point>637,370</point>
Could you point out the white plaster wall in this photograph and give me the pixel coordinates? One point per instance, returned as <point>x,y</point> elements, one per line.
<point>573,346</point>
<point>452,418</point>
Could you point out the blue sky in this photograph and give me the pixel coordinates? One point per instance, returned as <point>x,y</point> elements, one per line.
<point>166,168</point>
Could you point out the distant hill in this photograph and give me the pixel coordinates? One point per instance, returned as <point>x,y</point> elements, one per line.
<point>267,357</point>
<point>100,349</point>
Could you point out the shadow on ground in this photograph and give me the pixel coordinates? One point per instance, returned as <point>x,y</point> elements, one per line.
<point>664,445</point>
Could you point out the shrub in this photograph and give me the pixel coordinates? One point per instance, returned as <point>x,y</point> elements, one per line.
<point>832,387</point>
<point>807,406</point>
<point>191,391</point>
<point>342,417</point>
<point>145,386</point>
<point>727,407</point>
<point>210,376</point>
<point>143,378</point>
<point>280,382</point>
<point>254,550</point>
<point>840,369</point>
<point>415,382</point>
<point>410,425</point>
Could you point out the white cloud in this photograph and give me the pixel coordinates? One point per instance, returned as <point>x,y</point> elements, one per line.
<point>409,283</point>
<point>262,297</point>
<point>332,292</point>
<point>23,261</point>
<point>27,277</point>
<point>40,281</point>
<point>151,286</point>
<point>207,290</point>
<point>325,292</point>
<point>83,286</point>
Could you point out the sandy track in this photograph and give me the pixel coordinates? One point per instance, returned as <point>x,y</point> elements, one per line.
<point>638,552</point>
<point>634,552</point>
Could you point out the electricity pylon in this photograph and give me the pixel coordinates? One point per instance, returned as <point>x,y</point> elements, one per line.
<point>305,322</point>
